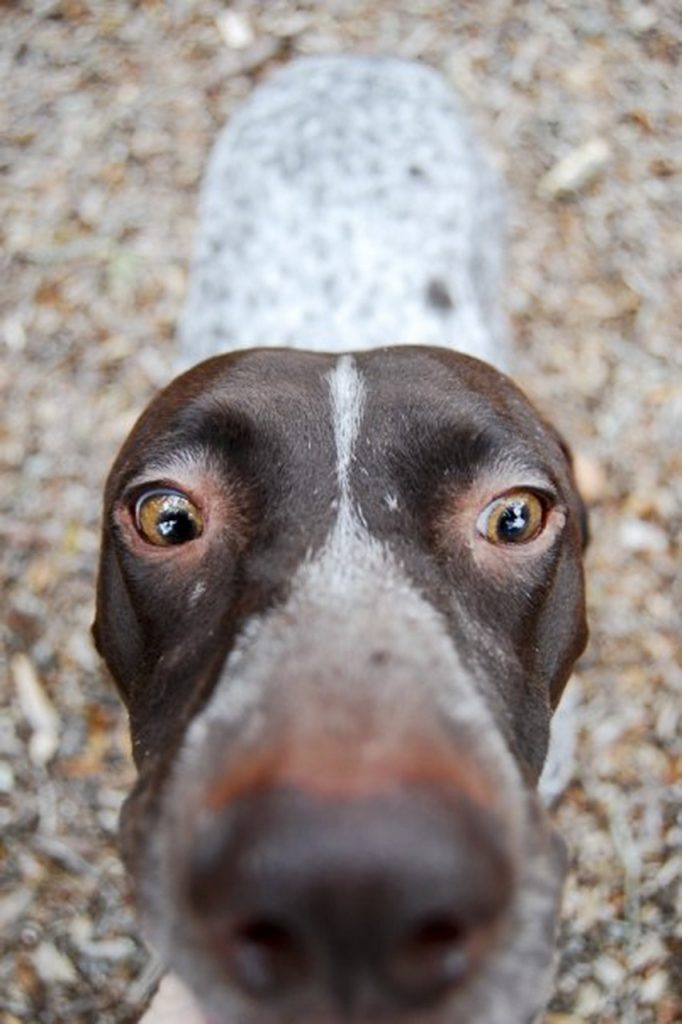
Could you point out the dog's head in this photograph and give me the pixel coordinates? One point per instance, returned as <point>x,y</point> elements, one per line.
<point>341,597</point>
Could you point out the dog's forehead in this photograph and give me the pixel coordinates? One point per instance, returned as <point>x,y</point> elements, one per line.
<point>266,382</point>
<point>443,388</point>
<point>285,398</point>
<point>250,378</point>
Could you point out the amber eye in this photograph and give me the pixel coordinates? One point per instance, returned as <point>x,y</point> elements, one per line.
<point>514,518</point>
<point>165,518</point>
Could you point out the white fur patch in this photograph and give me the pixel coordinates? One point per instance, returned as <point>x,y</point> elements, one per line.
<point>347,391</point>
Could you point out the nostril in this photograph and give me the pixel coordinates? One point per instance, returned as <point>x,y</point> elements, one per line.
<point>268,958</point>
<point>434,939</point>
<point>430,958</point>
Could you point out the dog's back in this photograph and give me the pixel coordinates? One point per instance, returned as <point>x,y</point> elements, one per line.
<point>347,205</point>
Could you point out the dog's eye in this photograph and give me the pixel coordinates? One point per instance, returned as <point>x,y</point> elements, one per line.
<point>514,518</point>
<point>168,517</point>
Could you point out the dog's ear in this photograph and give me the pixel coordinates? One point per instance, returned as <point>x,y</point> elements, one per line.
<point>116,631</point>
<point>584,522</point>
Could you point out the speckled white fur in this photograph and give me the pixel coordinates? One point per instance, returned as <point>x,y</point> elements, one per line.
<point>347,205</point>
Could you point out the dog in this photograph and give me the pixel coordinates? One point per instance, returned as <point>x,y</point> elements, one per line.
<point>341,584</point>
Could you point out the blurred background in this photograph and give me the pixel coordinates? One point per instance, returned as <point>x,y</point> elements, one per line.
<point>108,109</point>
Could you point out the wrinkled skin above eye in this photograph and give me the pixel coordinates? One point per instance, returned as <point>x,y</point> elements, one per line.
<point>165,518</point>
<point>514,518</point>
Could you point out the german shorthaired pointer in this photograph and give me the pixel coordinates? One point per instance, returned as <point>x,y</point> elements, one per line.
<point>341,586</point>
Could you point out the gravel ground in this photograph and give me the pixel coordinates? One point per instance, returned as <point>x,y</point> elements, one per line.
<point>108,109</point>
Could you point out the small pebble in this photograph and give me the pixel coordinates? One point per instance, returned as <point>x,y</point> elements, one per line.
<point>640,535</point>
<point>578,169</point>
<point>654,987</point>
<point>609,972</point>
<point>6,777</point>
<point>643,18</point>
<point>590,477</point>
<point>53,966</point>
<point>236,29</point>
<point>38,710</point>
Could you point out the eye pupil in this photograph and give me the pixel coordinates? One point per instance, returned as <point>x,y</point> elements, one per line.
<point>513,520</point>
<point>176,527</point>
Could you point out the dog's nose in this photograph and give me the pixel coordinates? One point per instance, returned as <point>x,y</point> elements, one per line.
<point>384,902</point>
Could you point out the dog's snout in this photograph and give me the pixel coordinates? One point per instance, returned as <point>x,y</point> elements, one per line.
<point>383,902</point>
